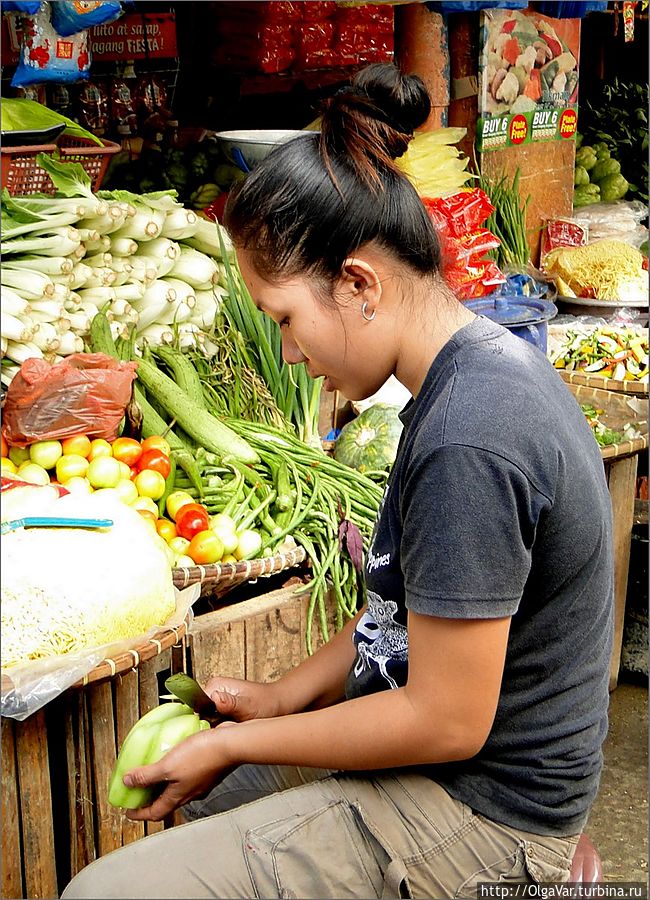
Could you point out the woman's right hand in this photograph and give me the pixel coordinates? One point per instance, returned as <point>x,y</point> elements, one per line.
<point>241,700</point>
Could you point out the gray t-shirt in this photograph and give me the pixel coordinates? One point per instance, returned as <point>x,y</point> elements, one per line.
<point>497,505</point>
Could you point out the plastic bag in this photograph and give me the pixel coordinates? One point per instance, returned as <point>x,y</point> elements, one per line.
<point>86,393</point>
<point>620,220</point>
<point>71,17</point>
<point>28,687</point>
<point>46,56</point>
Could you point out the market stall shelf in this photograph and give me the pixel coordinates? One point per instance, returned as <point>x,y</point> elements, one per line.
<point>593,380</point>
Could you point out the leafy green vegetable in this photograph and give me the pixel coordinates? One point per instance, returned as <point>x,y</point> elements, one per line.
<point>19,114</point>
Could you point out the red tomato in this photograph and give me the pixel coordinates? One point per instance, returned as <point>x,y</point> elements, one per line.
<point>205,548</point>
<point>156,442</point>
<point>127,450</point>
<point>156,460</point>
<point>5,447</point>
<point>191,519</point>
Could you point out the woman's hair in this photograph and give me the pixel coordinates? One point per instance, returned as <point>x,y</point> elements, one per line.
<point>315,200</point>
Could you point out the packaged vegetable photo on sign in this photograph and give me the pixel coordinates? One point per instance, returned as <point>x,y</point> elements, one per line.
<point>528,78</point>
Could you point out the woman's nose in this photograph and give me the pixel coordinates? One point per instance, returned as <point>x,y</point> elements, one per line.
<point>291,353</point>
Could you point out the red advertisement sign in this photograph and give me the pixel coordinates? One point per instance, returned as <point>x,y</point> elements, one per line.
<point>135,37</point>
<point>117,41</point>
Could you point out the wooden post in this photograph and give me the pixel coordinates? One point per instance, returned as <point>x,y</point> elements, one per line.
<point>621,481</point>
<point>421,49</point>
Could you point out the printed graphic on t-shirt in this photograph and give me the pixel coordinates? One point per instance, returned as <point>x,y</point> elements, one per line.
<point>382,646</point>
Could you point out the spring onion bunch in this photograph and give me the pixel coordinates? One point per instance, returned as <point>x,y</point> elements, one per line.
<point>68,256</point>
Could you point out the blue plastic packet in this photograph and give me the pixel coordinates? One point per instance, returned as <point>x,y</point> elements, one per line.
<point>46,56</point>
<point>70,18</point>
<point>26,7</point>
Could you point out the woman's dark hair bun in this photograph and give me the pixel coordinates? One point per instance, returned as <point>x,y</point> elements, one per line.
<point>372,120</point>
<point>403,99</point>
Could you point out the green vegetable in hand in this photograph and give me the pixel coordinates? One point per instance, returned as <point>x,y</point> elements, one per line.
<point>603,168</point>
<point>150,738</point>
<point>613,187</point>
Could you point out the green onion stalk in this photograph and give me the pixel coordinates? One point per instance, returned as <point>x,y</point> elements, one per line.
<point>296,393</point>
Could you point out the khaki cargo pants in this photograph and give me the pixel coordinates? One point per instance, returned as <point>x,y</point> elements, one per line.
<point>279,831</point>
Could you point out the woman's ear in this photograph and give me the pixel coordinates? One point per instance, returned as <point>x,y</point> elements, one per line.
<point>361,284</point>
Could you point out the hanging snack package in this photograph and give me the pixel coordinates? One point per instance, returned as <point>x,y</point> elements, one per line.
<point>72,16</point>
<point>86,393</point>
<point>47,56</point>
<point>24,7</point>
<point>93,107</point>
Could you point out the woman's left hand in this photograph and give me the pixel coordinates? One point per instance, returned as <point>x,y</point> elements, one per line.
<point>189,770</point>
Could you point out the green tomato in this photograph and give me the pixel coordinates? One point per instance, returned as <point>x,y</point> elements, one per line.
<point>19,455</point>
<point>78,485</point>
<point>46,453</point>
<point>249,545</point>
<point>227,536</point>
<point>71,465</point>
<point>104,472</point>
<point>150,484</point>
<point>179,546</point>
<point>33,473</point>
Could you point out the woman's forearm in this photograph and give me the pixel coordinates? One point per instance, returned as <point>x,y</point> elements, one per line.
<point>372,732</point>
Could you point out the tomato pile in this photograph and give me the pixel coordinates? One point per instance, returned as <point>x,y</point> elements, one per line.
<point>138,474</point>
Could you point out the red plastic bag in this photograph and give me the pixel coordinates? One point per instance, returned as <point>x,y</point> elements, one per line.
<point>86,393</point>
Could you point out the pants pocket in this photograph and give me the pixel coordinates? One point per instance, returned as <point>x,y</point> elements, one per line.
<point>546,864</point>
<point>508,869</point>
<point>326,853</point>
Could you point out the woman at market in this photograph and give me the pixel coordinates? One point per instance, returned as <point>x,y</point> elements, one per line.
<point>451,733</point>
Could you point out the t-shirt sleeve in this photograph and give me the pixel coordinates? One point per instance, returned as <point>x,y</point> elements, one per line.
<point>469,519</point>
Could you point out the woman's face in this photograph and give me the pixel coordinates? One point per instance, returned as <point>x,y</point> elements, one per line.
<point>356,356</point>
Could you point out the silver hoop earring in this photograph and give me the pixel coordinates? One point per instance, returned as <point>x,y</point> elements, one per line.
<point>364,312</point>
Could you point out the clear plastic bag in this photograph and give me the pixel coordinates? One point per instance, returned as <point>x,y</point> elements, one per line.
<point>620,220</point>
<point>28,687</point>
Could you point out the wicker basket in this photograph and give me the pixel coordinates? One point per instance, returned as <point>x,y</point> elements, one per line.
<point>219,578</point>
<point>594,380</point>
<point>130,659</point>
<point>22,175</point>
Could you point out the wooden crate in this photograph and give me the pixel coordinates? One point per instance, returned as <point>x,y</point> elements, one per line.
<point>55,771</point>
<point>260,639</point>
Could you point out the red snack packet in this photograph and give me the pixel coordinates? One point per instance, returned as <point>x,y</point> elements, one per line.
<point>86,393</point>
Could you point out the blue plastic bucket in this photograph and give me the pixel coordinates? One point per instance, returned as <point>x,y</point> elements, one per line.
<point>527,317</point>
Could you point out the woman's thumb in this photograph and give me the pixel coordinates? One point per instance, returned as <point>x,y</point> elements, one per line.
<point>144,776</point>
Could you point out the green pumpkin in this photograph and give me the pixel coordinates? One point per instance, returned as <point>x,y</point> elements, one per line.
<point>369,442</point>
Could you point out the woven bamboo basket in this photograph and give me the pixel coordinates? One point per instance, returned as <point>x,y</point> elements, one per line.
<point>594,380</point>
<point>219,578</point>
<point>165,638</point>
<point>617,412</point>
